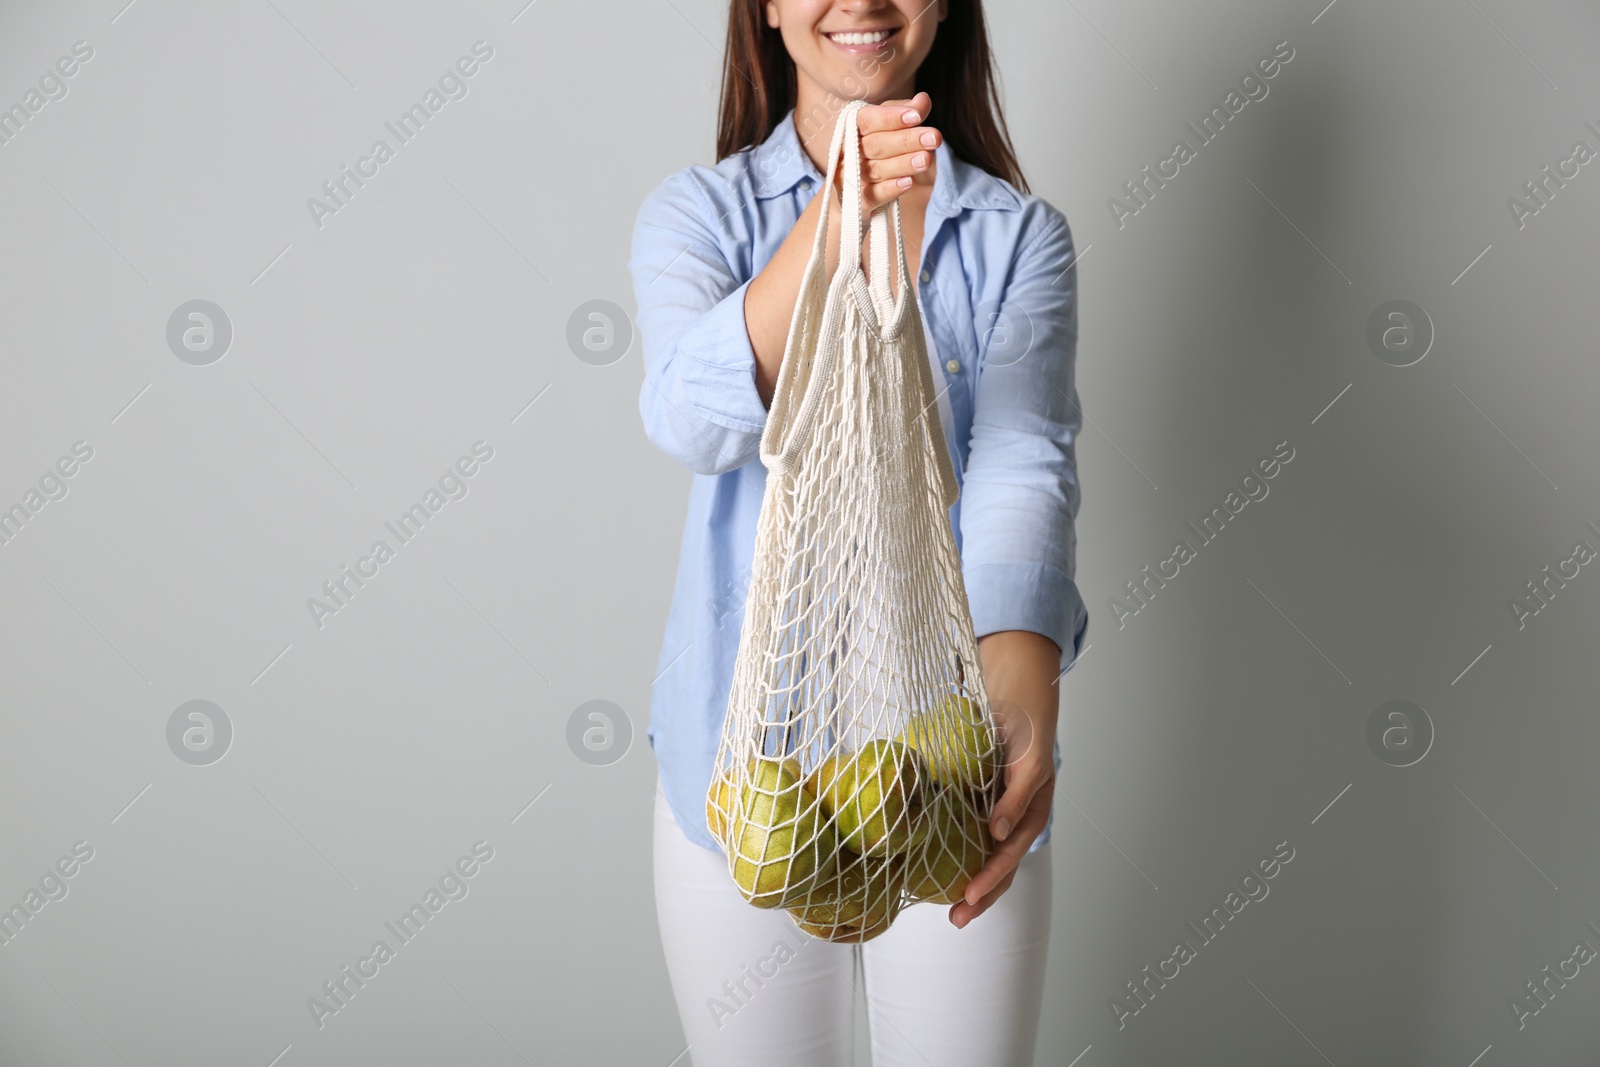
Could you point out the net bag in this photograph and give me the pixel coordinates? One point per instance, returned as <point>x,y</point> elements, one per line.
<point>858,763</point>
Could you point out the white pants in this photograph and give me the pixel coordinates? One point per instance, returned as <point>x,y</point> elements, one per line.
<point>753,990</point>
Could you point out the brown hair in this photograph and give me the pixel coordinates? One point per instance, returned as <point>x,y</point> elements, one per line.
<point>758,87</point>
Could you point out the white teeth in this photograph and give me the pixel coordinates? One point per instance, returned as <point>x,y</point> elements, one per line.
<point>861,38</point>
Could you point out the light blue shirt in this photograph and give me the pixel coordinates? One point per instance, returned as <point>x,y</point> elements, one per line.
<point>999,304</point>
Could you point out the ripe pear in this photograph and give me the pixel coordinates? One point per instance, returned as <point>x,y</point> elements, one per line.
<point>874,796</point>
<point>957,743</point>
<point>724,789</point>
<point>719,805</point>
<point>958,846</point>
<point>847,934</point>
<point>856,905</point>
<point>779,846</point>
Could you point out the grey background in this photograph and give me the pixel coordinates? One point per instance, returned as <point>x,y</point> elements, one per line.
<point>369,354</point>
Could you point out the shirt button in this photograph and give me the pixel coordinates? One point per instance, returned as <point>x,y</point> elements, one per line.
<point>925,276</point>
<point>953,366</point>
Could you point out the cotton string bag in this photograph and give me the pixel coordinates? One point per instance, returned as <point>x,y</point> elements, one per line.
<point>858,763</point>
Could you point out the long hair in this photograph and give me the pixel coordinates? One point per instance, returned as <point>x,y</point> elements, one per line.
<point>758,87</point>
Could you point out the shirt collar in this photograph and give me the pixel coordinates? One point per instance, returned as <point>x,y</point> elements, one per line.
<point>779,162</point>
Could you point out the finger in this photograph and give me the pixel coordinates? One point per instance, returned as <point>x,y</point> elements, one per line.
<point>892,143</point>
<point>964,912</point>
<point>1024,784</point>
<point>877,194</point>
<point>1000,865</point>
<point>1005,858</point>
<point>895,129</point>
<point>893,114</point>
<point>903,165</point>
<point>1009,853</point>
<point>915,162</point>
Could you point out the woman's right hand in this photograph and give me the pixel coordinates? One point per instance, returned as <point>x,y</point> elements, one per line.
<point>897,151</point>
<point>892,151</point>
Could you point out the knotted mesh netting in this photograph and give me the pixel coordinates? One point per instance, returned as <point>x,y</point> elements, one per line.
<point>858,763</point>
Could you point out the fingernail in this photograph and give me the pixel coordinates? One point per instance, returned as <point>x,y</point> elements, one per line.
<point>911,118</point>
<point>928,139</point>
<point>1002,827</point>
<point>904,183</point>
<point>920,160</point>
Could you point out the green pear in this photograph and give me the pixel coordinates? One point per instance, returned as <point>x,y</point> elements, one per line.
<point>724,789</point>
<point>779,845</point>
<point>858,904</point>
<point>874,796</point>
<point>957,848</point>
<point>847,934</point>
<point>719,805</point>
<point>957,743</point>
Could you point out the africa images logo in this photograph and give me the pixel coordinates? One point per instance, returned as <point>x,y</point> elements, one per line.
<point>341,189</point>
<point>51,886</point>
<point>52,87</point>
<point>454,884</point>
<point>1253,889</point>
<point>1251,489</point>
<point>453,485</point>
<point>1253,86</point>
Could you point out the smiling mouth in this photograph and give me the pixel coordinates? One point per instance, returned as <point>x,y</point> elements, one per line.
<point>861,40</point>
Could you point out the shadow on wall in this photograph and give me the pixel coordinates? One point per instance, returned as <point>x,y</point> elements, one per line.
<point>1256,331</point>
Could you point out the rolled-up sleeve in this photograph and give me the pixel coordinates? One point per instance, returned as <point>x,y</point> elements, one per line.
<point>698,400</point>
<point>1020,494</point>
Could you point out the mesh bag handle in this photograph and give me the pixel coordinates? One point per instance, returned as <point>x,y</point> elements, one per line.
<point>793,414</point>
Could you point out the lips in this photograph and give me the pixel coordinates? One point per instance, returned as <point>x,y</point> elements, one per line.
<point>860,41</point>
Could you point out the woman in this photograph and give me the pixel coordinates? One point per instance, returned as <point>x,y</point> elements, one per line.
<point>717,259</point>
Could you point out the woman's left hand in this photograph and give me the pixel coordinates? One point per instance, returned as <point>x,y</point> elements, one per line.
<point>1020,669</point>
